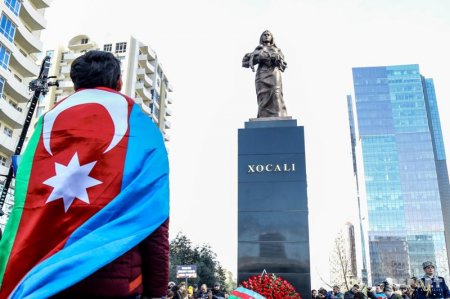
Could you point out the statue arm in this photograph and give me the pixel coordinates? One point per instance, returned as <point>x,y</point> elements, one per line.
<point>251,59</point>
<point>279,61</point>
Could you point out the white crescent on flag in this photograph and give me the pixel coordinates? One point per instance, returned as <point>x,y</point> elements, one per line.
<point>115,104</point>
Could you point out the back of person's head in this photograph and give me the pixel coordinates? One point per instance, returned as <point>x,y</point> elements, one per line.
<point>95,69</point>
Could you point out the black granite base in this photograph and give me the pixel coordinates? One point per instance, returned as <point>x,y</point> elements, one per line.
<point>273,232</point>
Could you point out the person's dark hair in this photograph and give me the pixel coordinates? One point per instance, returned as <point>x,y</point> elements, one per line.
<point>95,69</point>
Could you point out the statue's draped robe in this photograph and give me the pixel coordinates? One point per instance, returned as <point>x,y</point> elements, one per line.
<point>269,89</point>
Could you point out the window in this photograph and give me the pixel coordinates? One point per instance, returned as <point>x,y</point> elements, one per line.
<point>4,57</point>
<point>63,54</point>
<point>7,27</point>
<point>7,131</point>
<point>3,160</point>
<point>155,111</point>
<point>14,5</point>
<point>2,84</point>
<point>84,41</point>
<point>18,78</point>
<point>107,47</point>
<point>121,47</point>
<point>14,104</point>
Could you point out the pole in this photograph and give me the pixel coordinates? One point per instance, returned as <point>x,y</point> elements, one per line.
<point>40,88</point>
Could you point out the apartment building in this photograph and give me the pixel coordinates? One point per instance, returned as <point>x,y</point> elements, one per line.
<point>21,23</point>
<point>143,76</point>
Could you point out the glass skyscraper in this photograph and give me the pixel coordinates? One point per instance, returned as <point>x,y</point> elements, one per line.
<point>405,171</point>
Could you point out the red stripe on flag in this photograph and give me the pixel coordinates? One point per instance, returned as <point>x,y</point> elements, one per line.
<point>242,295</point>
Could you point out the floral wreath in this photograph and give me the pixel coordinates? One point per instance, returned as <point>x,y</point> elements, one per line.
<point>271,286</point>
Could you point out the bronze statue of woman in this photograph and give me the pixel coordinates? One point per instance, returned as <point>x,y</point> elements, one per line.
<point>269,89</point>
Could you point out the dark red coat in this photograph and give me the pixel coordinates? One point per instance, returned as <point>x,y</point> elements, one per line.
<point>142,270</point>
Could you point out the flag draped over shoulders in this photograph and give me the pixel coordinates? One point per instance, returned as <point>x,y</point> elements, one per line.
<point>91,185</point>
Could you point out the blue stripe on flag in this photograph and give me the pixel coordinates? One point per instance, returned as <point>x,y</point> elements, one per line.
<point>140,208</point>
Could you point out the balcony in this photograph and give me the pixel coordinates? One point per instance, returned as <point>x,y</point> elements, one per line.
<point>41,3</point>
<point>143,77</point>
<point>81,43</point>
<point>24,65</point>
<point>11,115</point>
<point>13,87</point>
<point>151,54</point>
<point>169,100</point>
<point>155,119</point>
<point>70,56</point>
<point>7,144</point>
<point>66,86</point>
<point>143,62</point>
<point>166,137</point>
<point>146,109</point>
<point>146,50</point>
<point>143,92</point>
<point>167,124</point>
<point>169,87</point>
<point>168,111</point>
<point>32,17</point>
<point>27,40</point>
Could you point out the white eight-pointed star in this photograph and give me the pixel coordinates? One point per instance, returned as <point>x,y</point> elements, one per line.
<point>71,182</point>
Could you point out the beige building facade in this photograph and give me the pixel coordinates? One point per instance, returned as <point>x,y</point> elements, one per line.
<point>21,23</point>
<point>142,73</point>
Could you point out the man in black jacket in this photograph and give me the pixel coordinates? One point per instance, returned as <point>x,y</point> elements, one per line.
<point>216,292</point>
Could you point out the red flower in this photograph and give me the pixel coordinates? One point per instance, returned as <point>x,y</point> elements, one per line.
<point>271,287</point>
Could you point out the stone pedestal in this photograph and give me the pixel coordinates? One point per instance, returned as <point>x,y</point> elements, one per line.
<point>273,230</point>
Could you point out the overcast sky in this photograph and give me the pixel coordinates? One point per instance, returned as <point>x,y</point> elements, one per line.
<point>201,44</point>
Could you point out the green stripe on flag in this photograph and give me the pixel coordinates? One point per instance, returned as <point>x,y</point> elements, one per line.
<point>22,180</point>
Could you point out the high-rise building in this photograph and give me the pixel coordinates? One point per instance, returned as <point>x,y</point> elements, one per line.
<point>142,74</point>
<point>21,22</point>
<point>361,215</point>
<point>405,171</point>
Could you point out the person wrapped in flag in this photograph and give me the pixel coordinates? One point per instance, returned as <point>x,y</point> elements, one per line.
<point>90,218</point>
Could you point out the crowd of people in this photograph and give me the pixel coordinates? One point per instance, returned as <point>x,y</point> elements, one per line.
<point>183,291</point>
<point>428,286</point>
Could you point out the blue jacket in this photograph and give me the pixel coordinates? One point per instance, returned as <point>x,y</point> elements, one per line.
<point>330,295</point>
<point>432,287</point>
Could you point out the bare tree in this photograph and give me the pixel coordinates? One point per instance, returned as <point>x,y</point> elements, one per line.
<point>342,263</point>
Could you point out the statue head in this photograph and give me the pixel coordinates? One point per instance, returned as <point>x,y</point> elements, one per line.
<point>266,37</point>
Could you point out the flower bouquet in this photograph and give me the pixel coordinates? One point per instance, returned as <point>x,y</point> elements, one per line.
<point>271,286</point>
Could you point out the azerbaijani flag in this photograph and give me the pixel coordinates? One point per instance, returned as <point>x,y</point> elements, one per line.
<point>243,293</point>
<point>91,185</point>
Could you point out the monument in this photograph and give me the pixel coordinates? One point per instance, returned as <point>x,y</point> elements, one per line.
<point>273,232</point>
